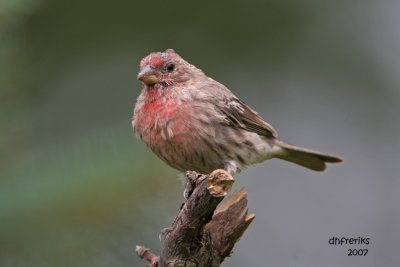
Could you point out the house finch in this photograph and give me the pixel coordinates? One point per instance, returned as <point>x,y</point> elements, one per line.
<point>193,122</point>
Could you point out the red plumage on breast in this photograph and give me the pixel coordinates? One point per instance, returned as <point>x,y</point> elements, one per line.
<point>163,125</point>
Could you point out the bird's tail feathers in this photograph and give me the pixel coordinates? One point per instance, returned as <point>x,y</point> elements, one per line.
<point>308,158</point>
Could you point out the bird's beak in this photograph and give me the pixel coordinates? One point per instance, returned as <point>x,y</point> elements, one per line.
<point>148,75</point>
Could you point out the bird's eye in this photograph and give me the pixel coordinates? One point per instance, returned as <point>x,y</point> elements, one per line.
<point>170,67</point>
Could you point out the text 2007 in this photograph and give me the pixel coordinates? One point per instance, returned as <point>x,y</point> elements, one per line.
<point>357,252</point>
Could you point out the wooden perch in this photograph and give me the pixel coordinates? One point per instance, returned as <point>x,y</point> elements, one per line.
<point>202,234</point>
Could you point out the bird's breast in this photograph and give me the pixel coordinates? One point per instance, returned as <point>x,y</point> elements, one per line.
<point>164,122</point>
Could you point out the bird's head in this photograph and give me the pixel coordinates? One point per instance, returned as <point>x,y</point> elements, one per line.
<point>164,69</point>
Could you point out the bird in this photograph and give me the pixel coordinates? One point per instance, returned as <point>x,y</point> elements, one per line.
<point>193,122</point>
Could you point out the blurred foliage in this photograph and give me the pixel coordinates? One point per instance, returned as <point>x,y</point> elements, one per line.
<point>75,199</point>
<point>14,54</point>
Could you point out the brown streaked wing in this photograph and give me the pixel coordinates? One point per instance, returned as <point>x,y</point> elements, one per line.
<point>240,115</point>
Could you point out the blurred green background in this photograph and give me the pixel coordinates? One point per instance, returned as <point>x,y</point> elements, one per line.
<point>78,189</point>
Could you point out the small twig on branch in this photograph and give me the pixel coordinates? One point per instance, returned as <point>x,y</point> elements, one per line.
<point>201,235</point>
<point>145,253</point>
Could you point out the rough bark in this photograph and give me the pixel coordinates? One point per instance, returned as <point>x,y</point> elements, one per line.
<point>202,234</point>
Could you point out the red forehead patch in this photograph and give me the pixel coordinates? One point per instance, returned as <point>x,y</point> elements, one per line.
<point>157,59</point>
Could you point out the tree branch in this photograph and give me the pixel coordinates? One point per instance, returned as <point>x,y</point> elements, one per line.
<point>201,234</point>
